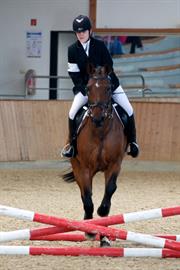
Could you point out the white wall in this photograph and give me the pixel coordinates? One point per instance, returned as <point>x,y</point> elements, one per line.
<point>138,14</point>
<point>57,15</point>
<point>15,18</point>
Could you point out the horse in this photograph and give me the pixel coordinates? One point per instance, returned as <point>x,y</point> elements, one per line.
<point>101,143</point>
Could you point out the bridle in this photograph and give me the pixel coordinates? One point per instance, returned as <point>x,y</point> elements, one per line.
<point>105,106</point>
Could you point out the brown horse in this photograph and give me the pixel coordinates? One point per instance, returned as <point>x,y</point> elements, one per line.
<point>101,143</point>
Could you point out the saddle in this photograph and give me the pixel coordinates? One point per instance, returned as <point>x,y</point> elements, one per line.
<point>122,115</point>
<point>120,112</point>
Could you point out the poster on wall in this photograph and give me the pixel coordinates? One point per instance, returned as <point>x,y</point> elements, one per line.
<point>33,44</point>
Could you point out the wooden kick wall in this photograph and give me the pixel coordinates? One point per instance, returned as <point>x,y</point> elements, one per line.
<point>36,130</point>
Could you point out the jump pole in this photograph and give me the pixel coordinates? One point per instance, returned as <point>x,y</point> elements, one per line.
<point>90,228</point>
<point>49,234</point>
<point>104,221</point>
<point>76,237</point>
<point>83,251</point>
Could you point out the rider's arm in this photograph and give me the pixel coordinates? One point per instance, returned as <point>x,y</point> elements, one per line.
<point>74,72</point>
<point>107,60</point>
<point>105,56</point>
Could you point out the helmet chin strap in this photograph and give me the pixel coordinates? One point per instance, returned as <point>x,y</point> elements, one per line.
<point>90,34</point>
<point>86,41</point>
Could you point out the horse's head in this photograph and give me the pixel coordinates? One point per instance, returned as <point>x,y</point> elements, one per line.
<point>99,94</point>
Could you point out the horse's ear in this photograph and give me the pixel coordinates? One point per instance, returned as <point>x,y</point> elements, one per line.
<point>90,68</point>
<point>107,69</point>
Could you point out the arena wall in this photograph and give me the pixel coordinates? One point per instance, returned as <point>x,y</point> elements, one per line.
<point>36,130</point>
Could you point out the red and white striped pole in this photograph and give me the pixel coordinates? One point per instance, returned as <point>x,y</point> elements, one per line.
<point>90,228</point>
<point>78,251</point>
<point>105,221</point>
<point>77,237</point>
<point>28,234</point>
<point>50,234</point>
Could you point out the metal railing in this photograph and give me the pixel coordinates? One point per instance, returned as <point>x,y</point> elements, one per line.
<point>134,91</point>
<point>33,76</point>
<point>144,88</point>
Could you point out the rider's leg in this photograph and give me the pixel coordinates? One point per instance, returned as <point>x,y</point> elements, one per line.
<point>78,102</point>
<point>120,97</point>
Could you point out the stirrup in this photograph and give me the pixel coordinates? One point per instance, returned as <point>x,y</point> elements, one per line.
<point>68,151</point>
<point>134,149</point>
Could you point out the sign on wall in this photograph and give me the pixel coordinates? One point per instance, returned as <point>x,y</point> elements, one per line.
<point>33,44</point>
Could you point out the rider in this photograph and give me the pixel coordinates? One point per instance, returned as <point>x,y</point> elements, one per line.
<point>88,49</point>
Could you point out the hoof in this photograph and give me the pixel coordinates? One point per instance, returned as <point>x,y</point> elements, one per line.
<point>105,242</point>
<point>103,210</point>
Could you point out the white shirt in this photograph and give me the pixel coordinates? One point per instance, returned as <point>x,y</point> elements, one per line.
<point>86,47</point>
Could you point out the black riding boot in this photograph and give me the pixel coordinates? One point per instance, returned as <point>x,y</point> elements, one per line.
<point>134,148</point>
<point>69,150</point>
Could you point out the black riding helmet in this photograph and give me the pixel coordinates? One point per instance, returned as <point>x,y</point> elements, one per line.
<point>81,23</point>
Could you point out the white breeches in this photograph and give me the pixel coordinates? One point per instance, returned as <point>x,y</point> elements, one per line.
<point>118,95</point>
<point>78,102</point>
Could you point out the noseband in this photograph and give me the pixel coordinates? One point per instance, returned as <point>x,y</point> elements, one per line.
<point>105,106</point>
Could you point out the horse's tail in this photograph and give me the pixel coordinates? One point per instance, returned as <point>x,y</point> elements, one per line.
<point>68,177</point>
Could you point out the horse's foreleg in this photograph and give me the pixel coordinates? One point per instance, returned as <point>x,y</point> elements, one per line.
<point>110,188</point>
<point>86,196</point>
<point>104,208</point>
<point>84,181</point>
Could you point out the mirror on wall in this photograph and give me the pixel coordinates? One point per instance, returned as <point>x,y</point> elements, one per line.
<point>146,65</point>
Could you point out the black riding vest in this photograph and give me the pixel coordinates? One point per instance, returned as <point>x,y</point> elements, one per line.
<point>98,56</point>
